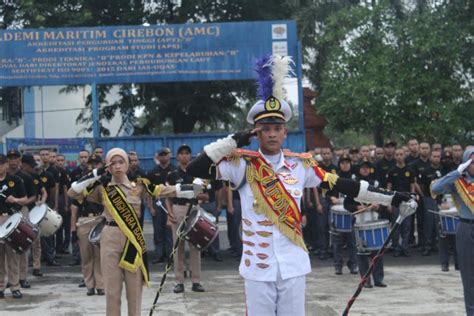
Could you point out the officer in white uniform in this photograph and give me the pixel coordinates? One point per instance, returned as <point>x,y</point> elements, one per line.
<point>274,259</point>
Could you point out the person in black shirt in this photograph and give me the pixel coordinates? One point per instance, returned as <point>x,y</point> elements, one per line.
<point>401,177</point>
<point>134,170</point>
<point>28,165</point>
<point>323,198</point>
<point>176,211</point>
<point>414,149</point>
<point>83,168</point>
<point>51,184</point>
<point>12,197</point>
<point>63,235</point>
<point>13,158</point>
<point>162,237</point>
<point>341,238</point>
<point>386,163</point>
<point>432,172</point>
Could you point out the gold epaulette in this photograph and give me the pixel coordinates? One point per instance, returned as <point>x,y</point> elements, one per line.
<point>238,153</point>
<point>307,158</point>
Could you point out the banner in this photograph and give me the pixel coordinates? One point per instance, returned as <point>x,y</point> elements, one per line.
<point>134,54</point>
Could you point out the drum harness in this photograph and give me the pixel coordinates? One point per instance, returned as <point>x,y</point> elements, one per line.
<point>406,209</point>
<point>180,236</point>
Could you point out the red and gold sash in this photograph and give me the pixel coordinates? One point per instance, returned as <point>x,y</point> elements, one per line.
<point>273,200</point>
<point>466,192</point>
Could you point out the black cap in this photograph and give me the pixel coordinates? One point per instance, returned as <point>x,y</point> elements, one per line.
<point>390,143</point>
<point>344,158</point>
<point>182,147</point>
<point>163,151</point>
<point>13,153</point>
<point>365,163</point>
<point>353,150</point>
<point>94,158</point>
<point>29,160</point>
<point>3,159</point>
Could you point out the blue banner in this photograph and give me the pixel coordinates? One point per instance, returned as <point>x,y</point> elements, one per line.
<point>134,54</point>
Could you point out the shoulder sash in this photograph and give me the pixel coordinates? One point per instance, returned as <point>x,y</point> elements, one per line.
<point>466,192</point>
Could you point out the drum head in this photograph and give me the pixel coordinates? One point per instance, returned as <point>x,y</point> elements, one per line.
<point>10,225</point>
<point>372,225</point>
<point>37,213</point>
<point>338,208</point>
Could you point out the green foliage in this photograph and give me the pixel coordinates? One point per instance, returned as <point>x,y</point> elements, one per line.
<point>395,72</point>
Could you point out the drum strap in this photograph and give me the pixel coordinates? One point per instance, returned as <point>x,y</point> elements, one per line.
<point>466,192</point>
<point>273,200</point>
<point>134,252</point>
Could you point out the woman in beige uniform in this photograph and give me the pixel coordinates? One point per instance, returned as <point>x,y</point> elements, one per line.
<point>122,242</point>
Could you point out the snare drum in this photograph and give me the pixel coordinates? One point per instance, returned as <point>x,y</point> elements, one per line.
<point>371,235</point>
<point>201,229</point>
<point>18,233</point>
<point>96,232</point>
<point>449,221</point>
<point>341,219</point>
<point>47,219</point>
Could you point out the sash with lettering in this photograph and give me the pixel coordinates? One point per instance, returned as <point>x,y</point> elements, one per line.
<point>126,218</point>
<point>466,192</point>
<point>273,200</point>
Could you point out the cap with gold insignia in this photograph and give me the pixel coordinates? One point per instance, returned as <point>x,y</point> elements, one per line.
<point>184,147</point>
<point>344,158</point>
<point>365,163</point>
<point>13,153</point>
<point>390,143</point>
<point>29,160</point>
<point>163,151</point>
<point>272,107</point>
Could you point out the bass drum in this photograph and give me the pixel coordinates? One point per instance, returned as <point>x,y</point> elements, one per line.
<point>18,233</point>
<point>200,229</point>
<point>47,219</point>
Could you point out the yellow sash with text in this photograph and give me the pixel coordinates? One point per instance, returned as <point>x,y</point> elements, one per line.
<point>273,200</point>
<point>466,192</point>
<point>126,218</point>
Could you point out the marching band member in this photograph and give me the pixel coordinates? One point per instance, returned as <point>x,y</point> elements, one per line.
<point>271,182</point>
<point>122,251</point>
<point>460,184</point>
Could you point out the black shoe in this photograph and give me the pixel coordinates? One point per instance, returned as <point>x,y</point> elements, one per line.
<point>217,257</point>
<point>66,252</point>
<point>380,284</point>
<point>354,271</point>
<point>100,292</point>
<point>82,284</point>
<point>338,271</point>
<point>444,268</point>
<point>37,273</point>
<point>368,285</point>
<point>75,263</point>
<point>8,285</point>
<point>178,288</point>
<point>25,284</point>
<point>426,252</point>
<point>90,292</point>
<point>397,253</point>
<point>197,288</point>
<point>17,294</point>
<point>2,295</point>
<point>53,263</point>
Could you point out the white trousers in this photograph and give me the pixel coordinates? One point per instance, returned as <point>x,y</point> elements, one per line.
<point>280,298</point>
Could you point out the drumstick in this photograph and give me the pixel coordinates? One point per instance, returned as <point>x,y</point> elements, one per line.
<point>362,210</point>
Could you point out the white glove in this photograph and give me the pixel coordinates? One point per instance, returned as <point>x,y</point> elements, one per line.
<point>200,185</point>
<point>188,193</point>
<point>464,166</point>
<point>82,184</point>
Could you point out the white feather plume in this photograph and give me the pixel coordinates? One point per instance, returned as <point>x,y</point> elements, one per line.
<point>281,69</point>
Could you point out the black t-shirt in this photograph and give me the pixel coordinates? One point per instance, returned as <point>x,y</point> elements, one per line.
<point>427,176</point>
<point>401,178</point>
<point>134,174</point>
<point>383,166</point>
<point>409,160</point>
<point>419,166</point>
<point>48,182</point>
<point>77,173</point>
<point>38,185</point>
<point>55,172</point>
<point>30,189</point>
<point>159,175</point>
<point>182,177</point>
<point>11,185</point>
<point>64,179</point>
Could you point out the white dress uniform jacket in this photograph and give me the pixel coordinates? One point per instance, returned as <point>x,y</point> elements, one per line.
<point>265,249</point>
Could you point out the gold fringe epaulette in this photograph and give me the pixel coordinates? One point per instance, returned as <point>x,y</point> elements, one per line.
<point>236,154</point>
<point>307,158</point>
<point>144,181</point>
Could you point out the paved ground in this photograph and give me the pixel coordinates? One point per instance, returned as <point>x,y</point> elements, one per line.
<point>416,286</point>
